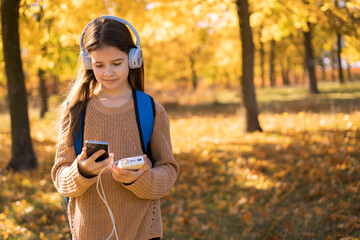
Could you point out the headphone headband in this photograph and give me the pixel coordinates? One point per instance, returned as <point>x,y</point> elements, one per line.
<point>135,54</point>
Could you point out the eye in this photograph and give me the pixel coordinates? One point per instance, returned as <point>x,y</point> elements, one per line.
<point>117,63</point>
<point>98,65</point>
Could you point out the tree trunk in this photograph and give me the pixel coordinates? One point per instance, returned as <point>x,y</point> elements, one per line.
<point>310,61</point>
<point>349,71</point>
<point>23,156</point>
<point>338,45</point>
<point>194,77</point>
<point>55,83</point>
<point>333,66</point>
<point>262,56</point>
<point>247,78</point>
<point>43,93</point>
<point>285,72</point>
<point>272,65</point>
<point>41,72</point>
<point>323,70</point>
<point>338,55</point>
<point>295,75</point>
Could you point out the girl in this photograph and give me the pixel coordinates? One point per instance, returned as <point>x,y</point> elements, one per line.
<point>104,88</point>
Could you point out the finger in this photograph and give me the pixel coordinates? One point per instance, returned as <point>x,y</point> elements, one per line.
<point>124,176</point>
<point>83,154</point>
<point>114,174</point>
<point>122,173</point>
<point>108,162</point>
<point>143,169</point>
<point>118,174</point>
<point>147,161</point>
<point>146,158</point>
<point>97,154</point>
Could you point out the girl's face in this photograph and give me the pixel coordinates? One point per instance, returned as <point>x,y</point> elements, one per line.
<point>111,68</point>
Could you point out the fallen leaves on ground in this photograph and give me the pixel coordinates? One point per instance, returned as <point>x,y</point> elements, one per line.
<point>299,179</point>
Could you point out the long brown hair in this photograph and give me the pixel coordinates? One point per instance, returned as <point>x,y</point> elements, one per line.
<point>102,32</point>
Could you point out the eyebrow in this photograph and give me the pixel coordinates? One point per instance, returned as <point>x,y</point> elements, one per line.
<point>118,59</point>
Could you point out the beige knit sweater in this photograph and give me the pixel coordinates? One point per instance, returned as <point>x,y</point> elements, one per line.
<point>136,207</point>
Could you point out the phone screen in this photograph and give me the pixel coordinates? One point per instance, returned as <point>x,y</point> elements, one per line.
<point>94,146</point>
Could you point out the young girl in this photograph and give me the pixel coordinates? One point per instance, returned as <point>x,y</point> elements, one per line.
<point>104,88</point>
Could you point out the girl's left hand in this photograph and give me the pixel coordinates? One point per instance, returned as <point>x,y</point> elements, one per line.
<point>130,176</point>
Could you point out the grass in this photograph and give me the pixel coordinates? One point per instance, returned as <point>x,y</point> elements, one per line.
<point>299,179</point>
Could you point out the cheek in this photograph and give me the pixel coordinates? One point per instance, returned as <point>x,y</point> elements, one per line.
<point>97,73</point>
<point>125,71</point>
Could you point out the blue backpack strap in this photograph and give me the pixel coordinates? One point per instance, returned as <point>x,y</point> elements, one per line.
<point>78,143</point>
<point>145,115</point>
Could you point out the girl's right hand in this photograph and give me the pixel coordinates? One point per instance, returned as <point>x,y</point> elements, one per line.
<point>89,168</point>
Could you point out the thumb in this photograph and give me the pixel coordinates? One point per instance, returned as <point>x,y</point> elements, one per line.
<point>82,155</point>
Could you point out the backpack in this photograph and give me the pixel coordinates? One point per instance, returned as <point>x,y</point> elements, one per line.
<point>145,115</point>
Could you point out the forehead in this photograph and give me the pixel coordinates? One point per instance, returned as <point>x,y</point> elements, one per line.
<point>107,53</point>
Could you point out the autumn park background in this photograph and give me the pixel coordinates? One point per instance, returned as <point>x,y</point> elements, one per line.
<point>263,98</point>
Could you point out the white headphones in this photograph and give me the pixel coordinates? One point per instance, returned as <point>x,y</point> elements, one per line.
<point>135,54</point>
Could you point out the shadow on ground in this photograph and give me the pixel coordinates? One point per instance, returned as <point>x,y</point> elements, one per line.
<point>270,191</point>
<point>314,104</point>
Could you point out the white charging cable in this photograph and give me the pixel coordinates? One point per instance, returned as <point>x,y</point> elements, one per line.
<point>103,198</point>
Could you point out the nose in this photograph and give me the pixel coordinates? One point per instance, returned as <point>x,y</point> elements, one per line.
<point>108,71</point>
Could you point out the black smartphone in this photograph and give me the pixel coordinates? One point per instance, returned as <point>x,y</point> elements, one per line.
<point>94,146</point>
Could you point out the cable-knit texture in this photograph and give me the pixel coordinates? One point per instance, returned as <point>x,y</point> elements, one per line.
<point>136,207</point>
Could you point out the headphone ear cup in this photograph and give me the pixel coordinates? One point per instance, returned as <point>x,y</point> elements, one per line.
<point>135,58</point>
<point>86,60</point>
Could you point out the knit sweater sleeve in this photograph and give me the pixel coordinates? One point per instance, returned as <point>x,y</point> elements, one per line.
<point>157,182</point>
<point>66,176</point>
